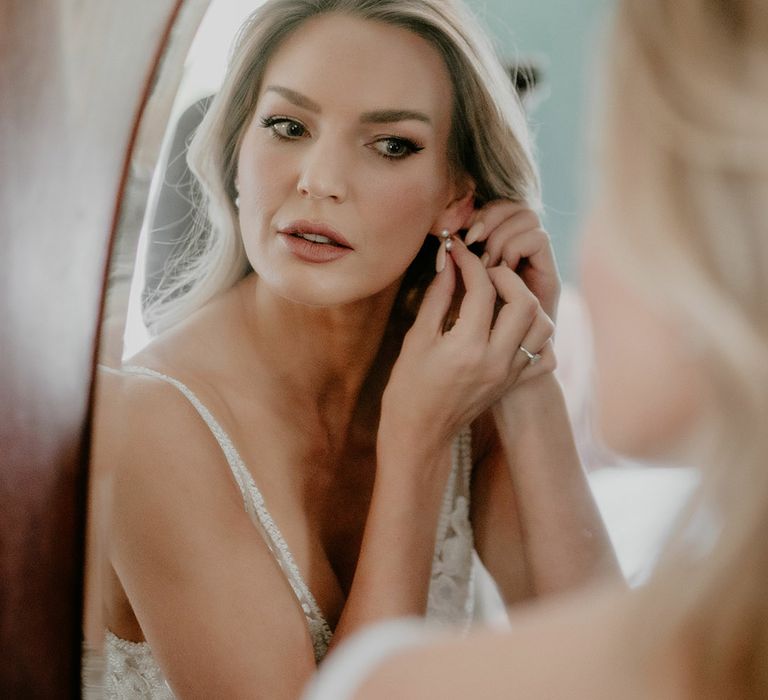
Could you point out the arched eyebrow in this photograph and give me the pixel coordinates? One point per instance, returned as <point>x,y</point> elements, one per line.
<point>379,116</point>
<point>296,97</point>
<point>387,116</point>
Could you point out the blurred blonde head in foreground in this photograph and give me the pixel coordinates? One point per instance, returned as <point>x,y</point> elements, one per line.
<point>676,274</point>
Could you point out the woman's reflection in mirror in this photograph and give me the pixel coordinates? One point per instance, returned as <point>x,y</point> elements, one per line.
<point>357,331</point>
<point>675,272</point>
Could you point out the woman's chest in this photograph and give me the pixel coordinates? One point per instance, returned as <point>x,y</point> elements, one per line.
<point>319,507</point>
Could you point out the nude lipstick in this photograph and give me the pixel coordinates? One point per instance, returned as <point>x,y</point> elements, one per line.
<point>313,242</point>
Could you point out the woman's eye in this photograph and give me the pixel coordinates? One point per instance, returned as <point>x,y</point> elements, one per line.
<point>395,148</point>
<point>284,128</point>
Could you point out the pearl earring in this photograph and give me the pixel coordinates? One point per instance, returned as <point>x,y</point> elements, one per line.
<point>237,202</point>
<point>446,245</point>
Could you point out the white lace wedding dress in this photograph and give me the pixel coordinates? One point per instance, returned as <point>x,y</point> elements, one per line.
<point>130,670</point>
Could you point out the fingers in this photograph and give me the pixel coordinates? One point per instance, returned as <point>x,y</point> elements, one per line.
<point>477,307</point>
<point>512,246</point>
<point>437,300</point>
<point>521,321</point>
<point>512,231</point>
<point>512,234</point>
<point>545,365</point>
<point>491,215</point>
<point>540,272</point>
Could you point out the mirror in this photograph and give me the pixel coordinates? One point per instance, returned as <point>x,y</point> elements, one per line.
<point>156,214</point>
<point>67,127</point>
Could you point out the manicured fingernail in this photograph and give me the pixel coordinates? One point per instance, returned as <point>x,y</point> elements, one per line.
<point>440,261</point>
<point>485,259</point>
<point>475,232</point>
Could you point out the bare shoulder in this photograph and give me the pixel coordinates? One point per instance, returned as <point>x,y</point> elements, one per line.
<point>136,414</point>
<point>579,647</point>
<point>181,542</point>
<point>149,435</point>
<point>158,460</point>
<point>153,434</point>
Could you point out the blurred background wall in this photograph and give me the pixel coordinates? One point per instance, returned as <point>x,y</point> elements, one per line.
<point>563,37</point>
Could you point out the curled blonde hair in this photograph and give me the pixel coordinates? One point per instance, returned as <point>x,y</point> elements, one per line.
<point>489,137</point>
<point>685,166</point>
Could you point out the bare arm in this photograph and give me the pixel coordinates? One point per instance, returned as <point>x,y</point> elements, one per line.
<point>393,572</point>
<point>538,527</point>
<point>218,613</point>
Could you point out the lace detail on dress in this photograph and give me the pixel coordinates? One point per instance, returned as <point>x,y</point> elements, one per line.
<point>451,590</point>
<point>131,670</point>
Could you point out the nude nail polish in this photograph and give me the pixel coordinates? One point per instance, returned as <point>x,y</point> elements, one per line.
<point>440,261</point>
<point>474,232</point>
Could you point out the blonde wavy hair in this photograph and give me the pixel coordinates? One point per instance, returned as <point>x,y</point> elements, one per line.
<point>489,138</point>
<point>685,163</point>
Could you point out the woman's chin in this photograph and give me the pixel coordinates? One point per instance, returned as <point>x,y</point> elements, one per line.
<point>311,293</point>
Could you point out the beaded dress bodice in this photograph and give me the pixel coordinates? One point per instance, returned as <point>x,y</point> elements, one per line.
<point>130,668</point>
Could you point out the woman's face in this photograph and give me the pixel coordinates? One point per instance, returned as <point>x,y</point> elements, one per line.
<point>343,169</point>
<point>650,389</point>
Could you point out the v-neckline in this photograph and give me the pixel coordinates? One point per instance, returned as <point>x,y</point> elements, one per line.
<point>256,506</point>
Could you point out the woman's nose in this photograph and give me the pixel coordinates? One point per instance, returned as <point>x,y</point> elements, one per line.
<point>324,172</point>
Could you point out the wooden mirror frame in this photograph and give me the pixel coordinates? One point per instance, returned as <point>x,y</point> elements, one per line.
<point>75,76</point>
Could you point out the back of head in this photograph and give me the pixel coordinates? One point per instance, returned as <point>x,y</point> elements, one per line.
<point>685,166</point>
<point>690,88</point>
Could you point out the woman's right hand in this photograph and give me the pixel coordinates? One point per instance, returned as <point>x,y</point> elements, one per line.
<point>442,381</point>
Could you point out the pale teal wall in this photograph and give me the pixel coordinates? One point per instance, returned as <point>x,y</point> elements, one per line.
<point>563,34</point>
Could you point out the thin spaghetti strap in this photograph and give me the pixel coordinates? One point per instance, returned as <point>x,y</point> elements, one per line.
<point>256,508</point>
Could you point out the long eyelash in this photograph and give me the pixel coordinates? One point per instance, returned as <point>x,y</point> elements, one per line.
<point>269,122</point>
<point>410,145</point>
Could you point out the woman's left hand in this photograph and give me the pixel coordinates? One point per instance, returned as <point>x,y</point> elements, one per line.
<point>513,235</point>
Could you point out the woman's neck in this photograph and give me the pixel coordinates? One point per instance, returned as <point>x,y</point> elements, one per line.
<point>322,356</point>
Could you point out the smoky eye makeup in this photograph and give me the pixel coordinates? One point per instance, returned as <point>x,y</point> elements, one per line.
<point>284,128</point>
<point>395,147</point>
<point>388,146</point>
